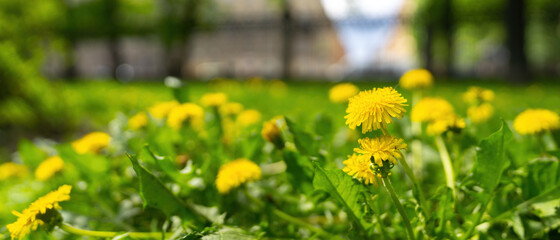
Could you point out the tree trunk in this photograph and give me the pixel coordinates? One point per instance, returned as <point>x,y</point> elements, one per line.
<point>287,40</point>
<point>113,35</point>
<point>515,26</point>
<point>448,33</point>
<point>70,71</point>
<point>428,45</point>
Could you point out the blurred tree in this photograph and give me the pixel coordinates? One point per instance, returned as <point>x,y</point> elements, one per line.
<point>287,39</point>
<point>27,100</point>
<point>543,36</point>
<point>434,22</point>
<point>515,26</point>
<point>108,20</point>
<point>178,20</point>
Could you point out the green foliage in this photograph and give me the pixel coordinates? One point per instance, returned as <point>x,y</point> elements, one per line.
<point>155,194</point>
<point>506,186</point>
<point>491,160</point>
<point>346,191</point>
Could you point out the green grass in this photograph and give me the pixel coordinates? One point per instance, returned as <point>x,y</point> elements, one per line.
<point>98,102</point>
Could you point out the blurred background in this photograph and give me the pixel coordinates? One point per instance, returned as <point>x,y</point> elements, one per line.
<point>68,66</point>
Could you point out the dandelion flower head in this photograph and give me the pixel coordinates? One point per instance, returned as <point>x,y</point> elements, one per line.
<point>449,123</point>
<point>534,121</point>
<point>231,108</point>
<point>248,117</point>
<point>430,109</point>
<point>32,217</point>
<point>374,109</point>
<point>160,110</point>
<point>231,175</point>
<point>91,143</point>
<point>138,121</point>
<point>185,112</point>
<point>361,169</point>
<point>480,113</point>
<point>383,148</point>
<point>213,99</point>
<point>416,79</point>
<point>270,131</point>
<point>478,95</point>
<point>49,168</point>
<point>342,92</point>
<point>11,169</point>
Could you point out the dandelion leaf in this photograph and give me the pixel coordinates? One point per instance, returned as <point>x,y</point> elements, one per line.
<point>156,195</point>
<point>491,160</point>
<point>303,140</point>
<point>345,190</point>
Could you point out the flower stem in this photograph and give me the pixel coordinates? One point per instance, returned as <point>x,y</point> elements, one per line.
<point>400,208</point>
<point>416,145</point>
<point>446,161</point>
<point>416,187</point>
<point>106,234</point>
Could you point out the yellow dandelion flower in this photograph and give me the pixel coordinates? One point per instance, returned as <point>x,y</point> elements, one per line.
<point>248,117</point>
<point>374,109</point>
<point>49,168</point>
<point>185,112</point>
<point>342,92</point>
<point>477,95</point>
<point>91,143</point>
<point>231,175</point>
<point>533,121</point>
<point>138,121</point>
<point>444,124</point>
<point>12,170</point>
<point>480,113</point>
<point>416,79</point>
<point>271,132</point>
<point>160,110</point>
<point>213,99</point>
<point>430,109</point>
<point>35,215</point>
<point>360,168</point>
<point>384,148</point>
<point>231,108</point>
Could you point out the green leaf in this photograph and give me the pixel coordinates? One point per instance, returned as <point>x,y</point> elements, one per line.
<point>92,166</point>
<point>491,160</point>
<point>30,154</point>
<point>490,163</point>
<point>323,125</point>
<point>550,195</point>
<point>542,175</point>
<point>181,94</point>
<point>156,195</point>
<point>211,213</point>
<point>304,141</point>
<point>299,168</point>
<point>168,167</point>
<point>346,190</point>
<point>229,234</point>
